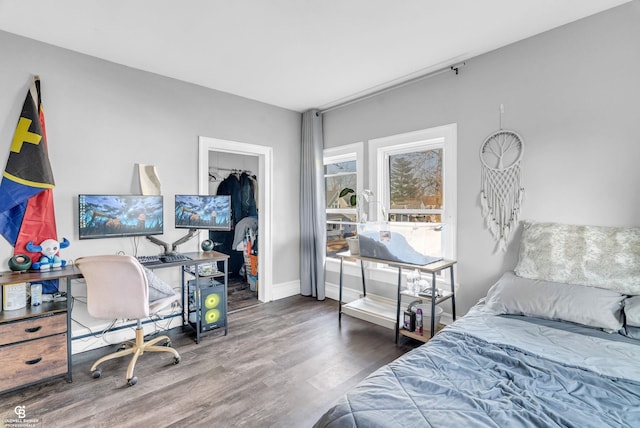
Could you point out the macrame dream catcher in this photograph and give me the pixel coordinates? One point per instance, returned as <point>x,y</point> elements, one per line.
<point>502,191</point>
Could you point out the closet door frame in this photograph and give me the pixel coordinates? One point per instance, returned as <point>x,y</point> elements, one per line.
<point>265,208</point>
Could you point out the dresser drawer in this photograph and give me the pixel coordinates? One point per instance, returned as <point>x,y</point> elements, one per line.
<point>33,328</point>
<point>29,362</point>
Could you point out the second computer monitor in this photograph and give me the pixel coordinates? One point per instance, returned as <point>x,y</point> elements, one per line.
<point>212,212</point>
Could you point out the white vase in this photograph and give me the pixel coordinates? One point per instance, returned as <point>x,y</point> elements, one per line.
<point>354,245</point>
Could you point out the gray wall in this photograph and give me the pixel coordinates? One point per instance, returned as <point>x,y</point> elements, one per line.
<point>571,93</point>
<point>103,118</point>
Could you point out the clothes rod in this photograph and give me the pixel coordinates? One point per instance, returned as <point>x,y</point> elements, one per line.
<point>215,168</point>
<point>455,68</point>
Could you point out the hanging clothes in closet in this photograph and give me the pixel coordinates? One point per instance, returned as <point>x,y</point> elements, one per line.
<point>242,186</point>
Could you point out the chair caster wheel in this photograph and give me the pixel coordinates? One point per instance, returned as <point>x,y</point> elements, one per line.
<point>167,344</point>
<point>132,381</point>
<point>96,373</point>
<point>176,360</point>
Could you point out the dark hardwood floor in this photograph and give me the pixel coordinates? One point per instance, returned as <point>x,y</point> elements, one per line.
<point>282,364</point>
<point>240,295</point>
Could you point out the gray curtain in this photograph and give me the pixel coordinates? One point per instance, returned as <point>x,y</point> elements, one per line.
<point>312,207</point>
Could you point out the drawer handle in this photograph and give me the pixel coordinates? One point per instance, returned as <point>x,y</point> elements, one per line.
<point>33,329</point>
<point>34,361</point>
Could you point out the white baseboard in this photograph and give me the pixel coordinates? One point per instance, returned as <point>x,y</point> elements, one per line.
<point>285,289</point>
<point>332,291</point>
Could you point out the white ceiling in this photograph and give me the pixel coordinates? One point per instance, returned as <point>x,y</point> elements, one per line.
<point>296,54</point>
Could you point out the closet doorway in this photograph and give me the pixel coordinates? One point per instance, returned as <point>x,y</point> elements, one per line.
<point>242,157</point>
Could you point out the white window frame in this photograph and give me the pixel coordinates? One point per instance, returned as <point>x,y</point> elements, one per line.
<point>442,136</point>
<point>348,152</point>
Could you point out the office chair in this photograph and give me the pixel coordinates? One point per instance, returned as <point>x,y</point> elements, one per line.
<point>117,287</point>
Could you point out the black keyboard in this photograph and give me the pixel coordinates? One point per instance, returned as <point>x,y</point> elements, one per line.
<point>149,260</point>
<point>170,258</point>
<point>158,260</point>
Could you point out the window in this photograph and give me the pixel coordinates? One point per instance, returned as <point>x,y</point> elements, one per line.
<point>412,175</point>
<point>341,170</point>
<point>415,178</point>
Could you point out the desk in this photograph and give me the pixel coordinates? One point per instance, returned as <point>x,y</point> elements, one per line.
<point>431,268</point>
<point>31,329</point>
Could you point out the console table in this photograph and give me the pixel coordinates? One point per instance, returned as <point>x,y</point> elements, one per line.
<point>431,268</point>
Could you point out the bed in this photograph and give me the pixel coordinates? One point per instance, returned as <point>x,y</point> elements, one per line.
<point>546,347</point>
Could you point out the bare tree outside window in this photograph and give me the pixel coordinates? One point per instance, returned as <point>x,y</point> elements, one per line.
<point>415,184</point>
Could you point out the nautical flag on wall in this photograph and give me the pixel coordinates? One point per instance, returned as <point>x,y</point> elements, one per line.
<point>26,196</point>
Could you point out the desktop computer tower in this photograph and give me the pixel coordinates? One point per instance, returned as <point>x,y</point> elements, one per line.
<point>212,298</point>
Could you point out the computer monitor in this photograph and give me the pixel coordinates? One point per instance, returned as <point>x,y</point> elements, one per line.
<point>115,216</point>
<point>212,212</point>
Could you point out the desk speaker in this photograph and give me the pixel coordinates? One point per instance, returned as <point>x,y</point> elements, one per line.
<point>19,262</point>
<point>213,304</point>
<point>207,245</point>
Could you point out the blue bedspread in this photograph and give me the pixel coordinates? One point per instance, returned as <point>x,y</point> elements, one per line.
<point>472,376</point>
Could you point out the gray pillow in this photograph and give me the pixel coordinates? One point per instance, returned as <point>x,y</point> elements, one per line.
<point>158,289</point>
<point>632,332</point>
<point>589,306</point>
<point>632,311</point>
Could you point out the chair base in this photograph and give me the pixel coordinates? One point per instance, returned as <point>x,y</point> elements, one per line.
<point>136,349</point>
